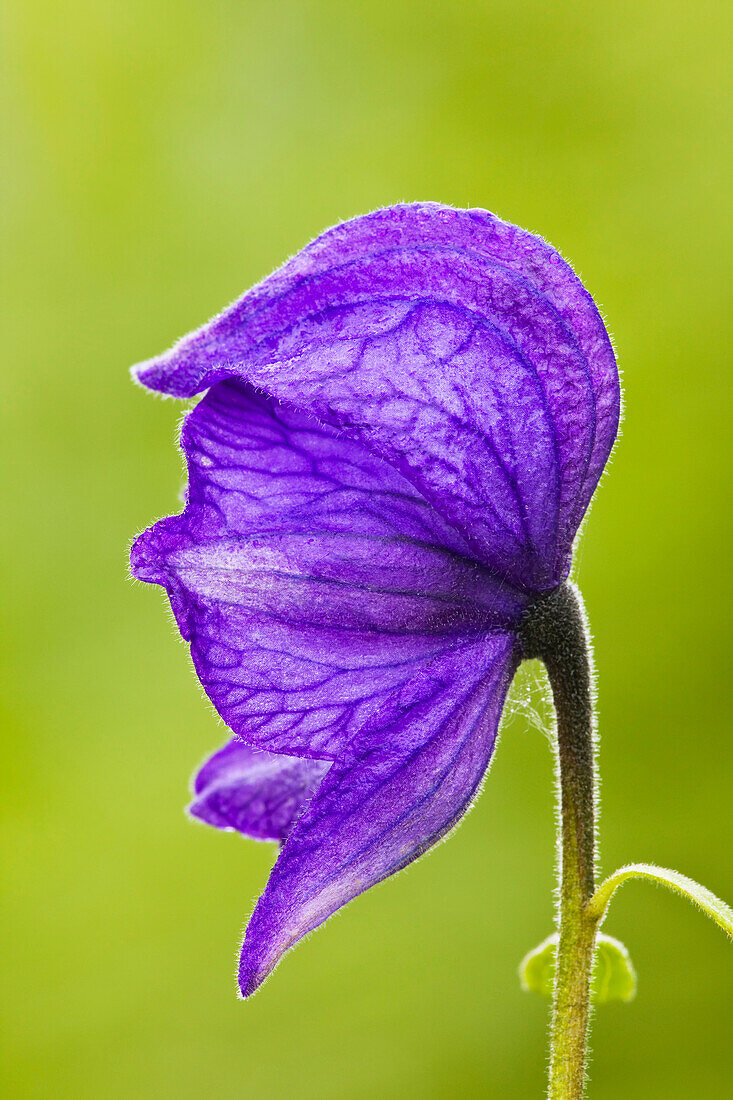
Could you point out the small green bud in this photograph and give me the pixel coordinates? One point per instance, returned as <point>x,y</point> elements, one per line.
<point>614,977</point>
<point>537,968</point>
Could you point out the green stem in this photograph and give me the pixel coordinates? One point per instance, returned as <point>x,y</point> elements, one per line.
<point>709,902</point>
<point>554,630</point>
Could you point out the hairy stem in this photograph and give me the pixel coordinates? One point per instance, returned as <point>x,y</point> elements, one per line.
<point>713,906</point>
<point>554,630</point>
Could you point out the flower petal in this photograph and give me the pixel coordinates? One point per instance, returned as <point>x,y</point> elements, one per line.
<point>459,348</point>
<point>309,577</point>
<point>408,779</point>
<point>257,793</point>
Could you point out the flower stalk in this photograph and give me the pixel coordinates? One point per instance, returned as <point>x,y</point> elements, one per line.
<point>555,632</point>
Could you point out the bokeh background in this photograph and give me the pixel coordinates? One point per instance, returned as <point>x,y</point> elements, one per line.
<point>160,157</point>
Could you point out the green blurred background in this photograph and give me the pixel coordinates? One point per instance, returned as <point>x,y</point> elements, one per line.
<point>161,158</point>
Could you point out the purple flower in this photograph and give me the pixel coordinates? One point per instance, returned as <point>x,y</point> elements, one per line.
<point>401,432</point>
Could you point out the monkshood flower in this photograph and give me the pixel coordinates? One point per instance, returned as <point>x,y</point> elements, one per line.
<point>400,434</point>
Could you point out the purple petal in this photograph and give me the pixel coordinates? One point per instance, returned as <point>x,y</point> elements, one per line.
<point>309,577</point>
<point>402,784</point>
<point>257,793</point>
<point>459,348</point>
